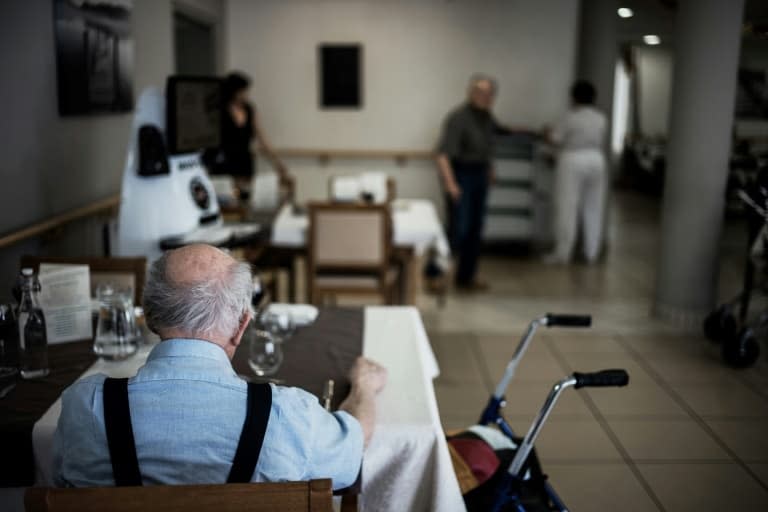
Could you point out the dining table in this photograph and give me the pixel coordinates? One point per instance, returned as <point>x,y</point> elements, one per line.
<point>406,466</point>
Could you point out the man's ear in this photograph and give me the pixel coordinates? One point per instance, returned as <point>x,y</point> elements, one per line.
<point>244,321</point>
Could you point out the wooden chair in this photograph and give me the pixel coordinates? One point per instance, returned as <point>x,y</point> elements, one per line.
<point>128,271</point>
<point>350,248</point>
<point>310,496</point>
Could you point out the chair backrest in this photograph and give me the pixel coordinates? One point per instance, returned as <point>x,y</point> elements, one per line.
<point>349,237</point>
<point>126,272</point>
<point>309,496</point>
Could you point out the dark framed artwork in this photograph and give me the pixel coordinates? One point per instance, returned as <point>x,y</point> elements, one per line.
<point>341,76</point>
<point>94,56</point>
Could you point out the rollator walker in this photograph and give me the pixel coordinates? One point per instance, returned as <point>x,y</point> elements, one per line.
<point>520,485</point>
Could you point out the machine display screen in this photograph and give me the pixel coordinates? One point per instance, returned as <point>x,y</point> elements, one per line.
<point>193,114</point>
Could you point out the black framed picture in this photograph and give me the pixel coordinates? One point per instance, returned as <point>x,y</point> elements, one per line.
<point>94,56</point>
<point>341,75</point>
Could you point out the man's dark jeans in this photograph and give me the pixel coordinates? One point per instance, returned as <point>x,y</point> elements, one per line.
<point>466,218</point>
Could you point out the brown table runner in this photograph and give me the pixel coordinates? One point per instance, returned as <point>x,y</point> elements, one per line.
<point>315,353</point>
<point>325,350</point>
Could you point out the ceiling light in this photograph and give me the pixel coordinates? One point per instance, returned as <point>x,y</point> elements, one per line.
<point>625,12</point>
<point>651,39</point>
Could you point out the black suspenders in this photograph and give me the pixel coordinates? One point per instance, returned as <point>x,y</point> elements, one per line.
<point>117,422</point>
<point>122,447</point>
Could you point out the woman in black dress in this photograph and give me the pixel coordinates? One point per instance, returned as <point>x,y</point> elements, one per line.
<point>240,127</point>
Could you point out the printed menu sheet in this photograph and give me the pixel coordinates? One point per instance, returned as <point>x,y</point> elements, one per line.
<point>65,297</point>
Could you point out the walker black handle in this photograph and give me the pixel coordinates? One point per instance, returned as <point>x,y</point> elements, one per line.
<point>602,378</point>
<point>554,320</point>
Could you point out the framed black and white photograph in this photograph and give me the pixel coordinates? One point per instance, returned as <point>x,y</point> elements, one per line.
<point>94,56</point>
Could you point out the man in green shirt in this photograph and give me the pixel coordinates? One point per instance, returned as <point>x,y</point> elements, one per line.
<point>464,155</point>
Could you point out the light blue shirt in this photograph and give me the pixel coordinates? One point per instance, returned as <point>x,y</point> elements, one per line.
<point>187,411</point>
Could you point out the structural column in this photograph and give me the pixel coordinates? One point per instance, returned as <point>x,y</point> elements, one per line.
<point>598,49</point>
<point>707,41</point>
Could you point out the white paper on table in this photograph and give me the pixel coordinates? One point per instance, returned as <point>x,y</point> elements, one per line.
<point>65,297</point>
<point>346,188</point>
<point>375,184</point>
<point>300,314</point>
<point>265,192</point>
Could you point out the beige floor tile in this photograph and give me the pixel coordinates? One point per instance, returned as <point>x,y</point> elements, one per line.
<point>572,440</point>
<point>666,440</point>
<point>456,359</point>
<point>534,367</point>
<point>525,399</point>
<point>761,470</point>
<point>635,400</point>
<point>656,343</point>
<point>460,398</point>
<point>576,341</point>
<point>705,487</point>
<point>747,438</point>
<point>703,367</point>
<point>583,488</point>
<point>457,421</point>
<point>723,400</point>
<point>504,346</point>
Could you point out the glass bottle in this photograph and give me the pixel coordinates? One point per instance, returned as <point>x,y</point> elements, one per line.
<point>33,341</point>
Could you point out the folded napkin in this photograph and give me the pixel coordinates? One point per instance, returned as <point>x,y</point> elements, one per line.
<point>301,314</point>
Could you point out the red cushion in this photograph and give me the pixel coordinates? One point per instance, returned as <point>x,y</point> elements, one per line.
<point>478,455</point>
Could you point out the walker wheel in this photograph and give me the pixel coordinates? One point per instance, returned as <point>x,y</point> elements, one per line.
<point>741,351</point>
<point>720,324</point>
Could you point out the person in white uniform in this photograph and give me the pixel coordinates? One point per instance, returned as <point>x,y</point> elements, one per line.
<point>580,176</point>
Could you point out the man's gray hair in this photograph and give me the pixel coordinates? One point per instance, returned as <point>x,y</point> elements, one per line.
<point>482,77</point>
<point>214,307</point>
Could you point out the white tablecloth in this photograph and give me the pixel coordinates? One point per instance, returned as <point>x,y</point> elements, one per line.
<point>407,465</point>
<point>415,223</point>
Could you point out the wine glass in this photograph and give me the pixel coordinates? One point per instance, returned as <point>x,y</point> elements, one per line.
<point>265,352</point>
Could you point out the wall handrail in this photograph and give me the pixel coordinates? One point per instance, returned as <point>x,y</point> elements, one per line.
<point>56,221</point>
<point>401,156</point>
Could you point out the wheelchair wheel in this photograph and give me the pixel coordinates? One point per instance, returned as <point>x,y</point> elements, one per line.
<point>742,350</point>
<point>720,325</point>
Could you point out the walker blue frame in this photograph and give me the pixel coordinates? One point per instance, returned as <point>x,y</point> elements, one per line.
<point>492,413</point>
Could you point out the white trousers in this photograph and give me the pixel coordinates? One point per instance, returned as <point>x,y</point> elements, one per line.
<point>580,192</point>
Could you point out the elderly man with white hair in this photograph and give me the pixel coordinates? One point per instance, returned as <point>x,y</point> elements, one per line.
<point>186,417</point>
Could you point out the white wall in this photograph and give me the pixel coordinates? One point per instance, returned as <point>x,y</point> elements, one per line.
<point>654,88</point>
<point>50,164</point>
<point>418,56</point>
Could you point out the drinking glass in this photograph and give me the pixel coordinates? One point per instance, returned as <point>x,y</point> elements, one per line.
<point>116,336</point>
<point>265,352</point>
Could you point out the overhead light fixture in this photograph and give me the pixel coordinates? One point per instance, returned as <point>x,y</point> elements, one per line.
<point>651,39</point>
<point>625,12</point>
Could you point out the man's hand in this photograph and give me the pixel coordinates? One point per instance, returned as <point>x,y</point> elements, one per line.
<point>368,376</point>
<point>454,191</point>
<point>367,379</point>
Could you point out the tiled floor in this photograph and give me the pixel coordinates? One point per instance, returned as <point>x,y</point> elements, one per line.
<point>687,434</point>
